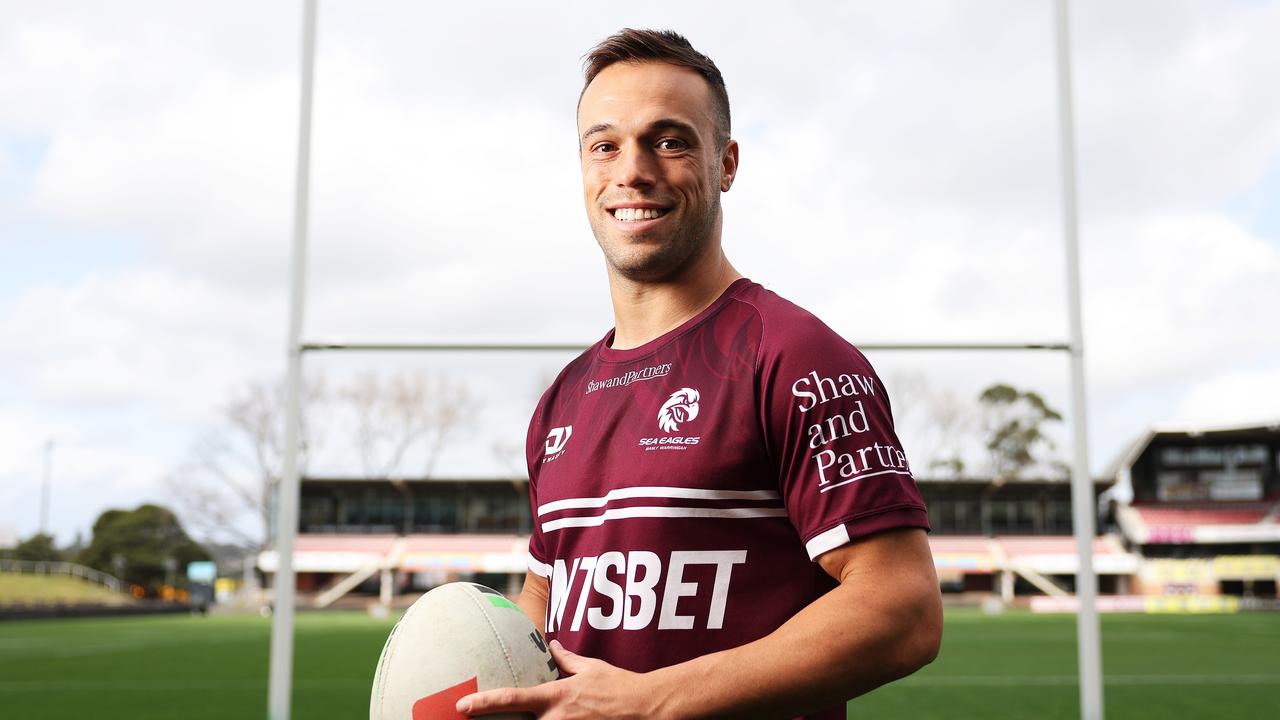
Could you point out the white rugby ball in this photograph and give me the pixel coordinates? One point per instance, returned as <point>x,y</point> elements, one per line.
<point>455,640</point>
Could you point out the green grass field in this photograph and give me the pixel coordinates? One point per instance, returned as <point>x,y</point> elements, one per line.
<point>1012,666</point>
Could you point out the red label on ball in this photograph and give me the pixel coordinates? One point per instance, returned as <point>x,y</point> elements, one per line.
<point>443,705</point>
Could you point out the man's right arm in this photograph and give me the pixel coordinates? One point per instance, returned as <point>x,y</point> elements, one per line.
<point>533,599</point>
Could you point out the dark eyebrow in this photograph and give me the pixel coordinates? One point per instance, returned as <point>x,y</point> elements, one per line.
<point>673,124</point>
<point>597,128</point>
<point>662,124</point>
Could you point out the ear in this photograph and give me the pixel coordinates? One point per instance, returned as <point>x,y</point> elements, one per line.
<point>728,165</point>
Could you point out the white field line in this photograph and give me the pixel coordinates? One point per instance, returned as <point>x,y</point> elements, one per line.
<point>1057,680</point>
<point>96,685</point>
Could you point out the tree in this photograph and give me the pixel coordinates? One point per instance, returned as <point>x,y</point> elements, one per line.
<point>1014,423</point>
<point>396,425</point>
<point>406,413</point>
<point>37,548</point>
<point>947,434</point>
<point>509,451</point>
<point>233,471</point>
<point>140,546</point>
<point>938,423</point>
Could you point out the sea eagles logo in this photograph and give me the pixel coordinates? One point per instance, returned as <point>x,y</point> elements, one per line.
<point>682,406</point>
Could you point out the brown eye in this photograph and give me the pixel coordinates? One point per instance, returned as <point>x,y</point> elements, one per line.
<point>672,144</point>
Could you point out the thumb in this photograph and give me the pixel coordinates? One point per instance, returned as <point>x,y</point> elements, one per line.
<point>570,663</point>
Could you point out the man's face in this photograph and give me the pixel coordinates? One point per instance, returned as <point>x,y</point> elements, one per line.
<point>651,172</point>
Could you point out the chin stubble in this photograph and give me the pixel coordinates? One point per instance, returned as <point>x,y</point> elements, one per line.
<point>666,259</point>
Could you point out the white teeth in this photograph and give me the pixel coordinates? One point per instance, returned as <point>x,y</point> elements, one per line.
<point>634,214</point>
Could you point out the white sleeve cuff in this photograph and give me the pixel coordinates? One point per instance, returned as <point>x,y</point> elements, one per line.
<point>544,570</point>
<point>827,540</point>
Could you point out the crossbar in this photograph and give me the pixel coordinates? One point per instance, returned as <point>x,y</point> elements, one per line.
<point>578,347</point>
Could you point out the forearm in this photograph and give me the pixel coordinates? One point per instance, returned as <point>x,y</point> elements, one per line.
<point>846,643</point>
<point>532,600</point>
<point>883,621</point>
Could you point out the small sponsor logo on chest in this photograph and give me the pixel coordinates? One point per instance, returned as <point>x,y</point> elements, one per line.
<point>627,378</point>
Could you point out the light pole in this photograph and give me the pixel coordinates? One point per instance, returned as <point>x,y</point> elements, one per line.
<point>118,563</point>
<point>44,489</point>
<point>170,568</point>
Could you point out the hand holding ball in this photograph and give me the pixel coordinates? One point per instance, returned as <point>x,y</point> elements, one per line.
<point>455,640</point>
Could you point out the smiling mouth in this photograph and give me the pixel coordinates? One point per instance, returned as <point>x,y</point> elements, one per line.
<point>638,214</point>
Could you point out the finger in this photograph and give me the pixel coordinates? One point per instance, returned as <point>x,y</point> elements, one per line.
<point>532,699</point>
<point>570,663</point>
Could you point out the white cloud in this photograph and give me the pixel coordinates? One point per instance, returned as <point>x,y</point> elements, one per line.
<point>1237,396</point>
<point>1172,297</point>
<point>150,338</point>
<point>113,463</point>
<point>202,179</point>
<point>122,371</point>
<point>1169,106</point>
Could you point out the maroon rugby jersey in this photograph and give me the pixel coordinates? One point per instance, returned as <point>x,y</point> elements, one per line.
<point>681,490</point>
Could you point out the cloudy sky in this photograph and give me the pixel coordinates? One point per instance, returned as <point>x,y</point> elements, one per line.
<point>899,178</point>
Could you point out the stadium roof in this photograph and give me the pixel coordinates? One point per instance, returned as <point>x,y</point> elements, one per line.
<point>1131,452</point>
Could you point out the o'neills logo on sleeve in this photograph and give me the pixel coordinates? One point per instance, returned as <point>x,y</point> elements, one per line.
<point>649,373</point>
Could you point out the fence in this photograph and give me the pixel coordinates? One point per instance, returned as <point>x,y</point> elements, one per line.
<point>63,568</point>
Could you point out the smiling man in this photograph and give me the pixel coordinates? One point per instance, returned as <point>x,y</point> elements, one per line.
<point>725,523</point>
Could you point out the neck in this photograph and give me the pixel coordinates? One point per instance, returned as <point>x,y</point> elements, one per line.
<point>644,310</point>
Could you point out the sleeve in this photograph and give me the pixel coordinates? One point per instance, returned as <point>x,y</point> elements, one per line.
<point>842,472</point>
<point>534,445</point>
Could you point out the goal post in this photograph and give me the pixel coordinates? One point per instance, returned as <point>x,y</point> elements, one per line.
<point>1088,634</point>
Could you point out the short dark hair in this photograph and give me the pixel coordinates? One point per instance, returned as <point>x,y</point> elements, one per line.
<point>635,46</point>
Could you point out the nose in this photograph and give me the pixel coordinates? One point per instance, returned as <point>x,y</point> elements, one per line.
<point>636,166</point>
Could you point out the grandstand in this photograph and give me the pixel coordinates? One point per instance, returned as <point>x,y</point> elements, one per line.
<point>1200,505</point>
<point>400,538</point>
<point>1186,512</point>
<point>406,536</point>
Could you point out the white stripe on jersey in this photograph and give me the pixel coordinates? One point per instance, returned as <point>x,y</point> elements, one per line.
<point>656,492</point>
<point>662,512</point>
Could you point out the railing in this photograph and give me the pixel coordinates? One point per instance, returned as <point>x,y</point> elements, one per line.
<point>110,582</point>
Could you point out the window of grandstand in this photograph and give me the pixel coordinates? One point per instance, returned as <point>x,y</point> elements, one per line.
<point>983,507</point>
<point>435,506</point>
